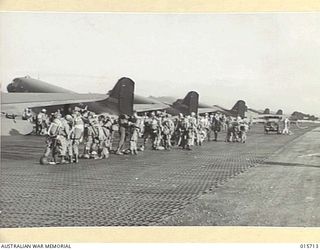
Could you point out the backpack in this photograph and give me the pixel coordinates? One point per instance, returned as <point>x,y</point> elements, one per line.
<point>54,128</point>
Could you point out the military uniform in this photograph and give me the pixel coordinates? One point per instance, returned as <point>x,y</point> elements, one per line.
<point>184,132</point>
<point>41,123</point>
<point>134,135</point>
<point>147,131</point>
<point>76,135</point>
<point>167,132</point>
<point>201,131</point>
<point>51,139</point>
<point>57,138</point>
<point>243,127</point>
<point>123,125</point>
<point>69,122</point>
<point>27,115</point>
<point>105,143</point>
<point>62,139</point>
<point>180,131</point>
<point>216,126</point>
<point>229,129</point>
<point>91,135</point>
<point>98,139</point>
<point>192,130</point>
<point>207,126</point>
<point>286,124</point>
<point>155,132</point>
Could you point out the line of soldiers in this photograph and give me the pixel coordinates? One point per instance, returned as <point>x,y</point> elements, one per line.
<point>97,132</point>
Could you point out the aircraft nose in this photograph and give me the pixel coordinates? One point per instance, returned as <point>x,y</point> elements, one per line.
<point>11,87</point>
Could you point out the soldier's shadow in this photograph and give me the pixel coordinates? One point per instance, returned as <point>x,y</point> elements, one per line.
<point>14,132</point>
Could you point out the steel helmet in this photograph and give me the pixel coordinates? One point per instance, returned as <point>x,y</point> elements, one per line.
<point>69,118</point>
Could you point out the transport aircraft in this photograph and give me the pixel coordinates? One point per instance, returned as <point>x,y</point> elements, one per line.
<point>189,104</point>
<point>117,101</point>
<point>238,109</point>
<point>140,104</point>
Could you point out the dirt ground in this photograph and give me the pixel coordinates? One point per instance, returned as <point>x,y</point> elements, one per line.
<point>282,191</point>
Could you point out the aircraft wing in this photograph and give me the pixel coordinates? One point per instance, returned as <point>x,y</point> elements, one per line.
<point>210,110</point>
<point>149,107</point>
<point>15,103</point>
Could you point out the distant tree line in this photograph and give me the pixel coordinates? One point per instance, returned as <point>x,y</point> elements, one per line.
<point>296,115</point>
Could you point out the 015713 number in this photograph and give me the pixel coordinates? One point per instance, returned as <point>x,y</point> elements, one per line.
<point>309,246</point>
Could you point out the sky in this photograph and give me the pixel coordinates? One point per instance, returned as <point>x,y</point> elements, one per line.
<point>267,59</point>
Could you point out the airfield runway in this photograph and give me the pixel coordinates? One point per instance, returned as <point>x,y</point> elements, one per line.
<point>216,184</point>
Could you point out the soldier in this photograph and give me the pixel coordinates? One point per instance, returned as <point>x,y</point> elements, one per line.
<point>286,124</point>
<point>172,128</point>
<point>134,134</point>
<point>236,130</point>
<point>206,125</point>
<point>201,133</point>
<point>41,125</point>
<point>223,119</point>
<point>123,126</point>
<point>147,132</point>
<point>228,128</point>
<point>243,127</point>
<point>154,130</point>
<point>71,148</point>
<point>180,131</point>
<point>27,115</point>
<point>51,140</point>
<point>56,140</point>
<point>193,128</point>
<point>114,128</point>
<point>91,134</point>
<point>98,137</point>
<point>216,126</point>
<point>86,138</point>
<point>197,130</point>
<point>184,132</point>
<point>142,121</point>
<point>62,138</point>
<point>76,134</point>
<point>105,144</point>
<point>157,128</point>
<point>69,120</point>
<point>167,131</point>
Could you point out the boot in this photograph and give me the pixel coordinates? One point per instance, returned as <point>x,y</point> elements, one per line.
<point>55,158</point>
<point>63,161</point>
<point>76,160</point>
<point>118,152</point>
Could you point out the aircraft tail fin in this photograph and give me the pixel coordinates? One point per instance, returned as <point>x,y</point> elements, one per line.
<point>239,108</point>
<point>122,96</point>
<point>191,102</point>
<point>266,111</point>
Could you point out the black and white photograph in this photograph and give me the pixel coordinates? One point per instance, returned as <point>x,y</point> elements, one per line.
<point>160,119</point>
